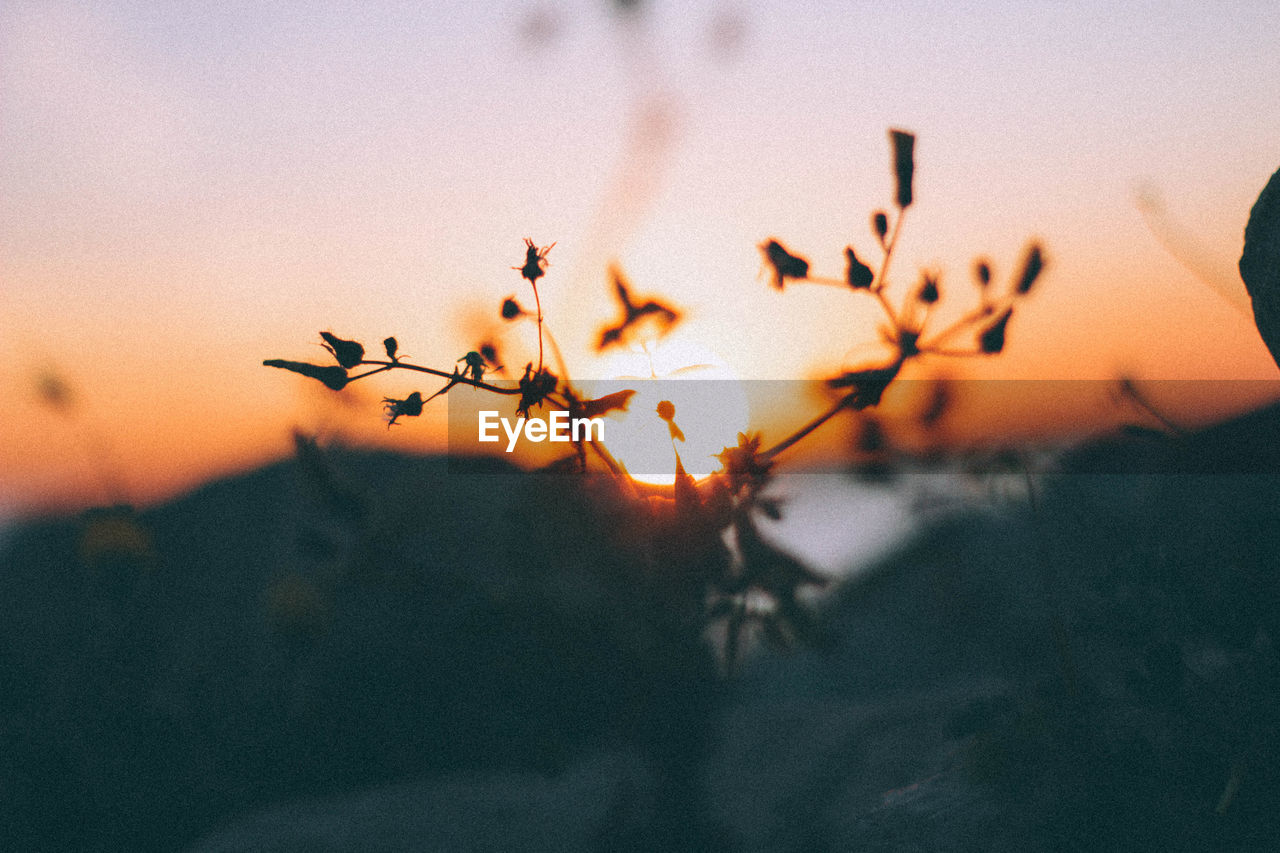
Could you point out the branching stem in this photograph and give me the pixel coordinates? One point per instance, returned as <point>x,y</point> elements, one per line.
<point>453,377</point>
<point>799,434</point>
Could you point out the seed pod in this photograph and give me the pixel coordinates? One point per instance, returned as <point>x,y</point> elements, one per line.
<point>880,225</point>
<point>1032,265</point>
<point>391,346</point>
<point>858,274</point>
<point>991,341</point>
<point>982,271</point>
<point>904,165</point>
<point>928,293</point>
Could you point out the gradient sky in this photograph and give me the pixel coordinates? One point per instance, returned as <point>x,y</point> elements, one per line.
<point>187,188</point>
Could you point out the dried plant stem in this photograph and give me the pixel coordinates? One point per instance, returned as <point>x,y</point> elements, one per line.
<point>800,434</point>
<point>557,354</point>
<point>538,301</point>
<point>833,282</point>
<point>882,275</point>
<point>453,377</point>
<point>986,311</point>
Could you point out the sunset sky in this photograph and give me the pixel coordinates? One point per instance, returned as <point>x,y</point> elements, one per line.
<point>188,188</point>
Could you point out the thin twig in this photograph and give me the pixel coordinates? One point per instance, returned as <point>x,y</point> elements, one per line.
<point>882,275</point>
<point>458,377</point>
<point>538,301</point>
<point>982,312</point>
<point>804,430</point>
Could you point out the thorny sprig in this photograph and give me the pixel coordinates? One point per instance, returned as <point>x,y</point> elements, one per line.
<point>757,585</point>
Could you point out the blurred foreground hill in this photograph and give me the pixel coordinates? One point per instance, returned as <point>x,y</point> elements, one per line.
<point>365,651</point>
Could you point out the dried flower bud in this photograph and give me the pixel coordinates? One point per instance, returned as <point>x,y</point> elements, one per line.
<point>982,271</point>
<point>348,353</point>
<point>880,225</point>
<point>535,261</point>
<point>991,341</point>
<point>903,164</point>
<point>928,293</point>
<point>474,366</point>
<point>410,407</point>
<point>1032,266</point>
<point>858,274</point>
<point>391,346</point>
<point>785,265</point>
<point>511,309</point>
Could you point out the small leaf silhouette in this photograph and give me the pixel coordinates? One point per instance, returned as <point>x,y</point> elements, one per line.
<point>391,346</point>
<point>1032,266</point>
<point>332,376</point>
<point>784,264</point>
<point>867,386</point>
<point>632,314</point>
<point>991,341</point>
<point>348,353</point>
<point>858,275</point>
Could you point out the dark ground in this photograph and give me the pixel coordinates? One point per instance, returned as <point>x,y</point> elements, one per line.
<point>361,651</point>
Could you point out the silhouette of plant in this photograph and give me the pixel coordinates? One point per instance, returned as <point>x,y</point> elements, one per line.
<point>706,534</point>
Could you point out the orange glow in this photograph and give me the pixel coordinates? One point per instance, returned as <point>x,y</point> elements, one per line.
<point>175,209</point>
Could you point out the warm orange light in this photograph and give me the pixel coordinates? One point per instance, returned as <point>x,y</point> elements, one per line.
<point>710,410</point>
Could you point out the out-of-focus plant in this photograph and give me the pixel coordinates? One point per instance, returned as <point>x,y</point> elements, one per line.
<point>703,538</point>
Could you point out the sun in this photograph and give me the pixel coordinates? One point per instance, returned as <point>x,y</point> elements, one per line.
<point>710,409</point>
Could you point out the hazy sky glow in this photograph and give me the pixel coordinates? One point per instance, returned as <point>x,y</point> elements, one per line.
<point>188,188</point>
